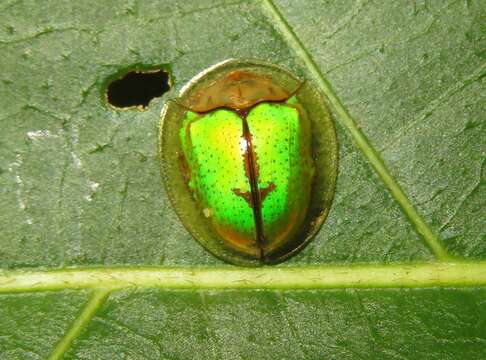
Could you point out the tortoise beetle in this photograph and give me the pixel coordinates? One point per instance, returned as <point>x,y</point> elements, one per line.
<point>249,161</point>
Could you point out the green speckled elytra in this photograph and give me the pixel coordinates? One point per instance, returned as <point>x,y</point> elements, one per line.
<point>249,160</point>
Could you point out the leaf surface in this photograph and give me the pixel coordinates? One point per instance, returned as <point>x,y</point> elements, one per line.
<point>80,185</point>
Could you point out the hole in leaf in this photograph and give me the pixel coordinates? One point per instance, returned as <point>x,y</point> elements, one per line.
<point>138,88</point>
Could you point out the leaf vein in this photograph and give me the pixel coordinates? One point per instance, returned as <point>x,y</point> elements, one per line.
<point>414,275</point>
<point>87,313</point>
<point>360,139</point>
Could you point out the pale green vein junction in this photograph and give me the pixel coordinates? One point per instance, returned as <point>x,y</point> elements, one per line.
<point>285,278</point>
<point>358,136</point>
<point>94,303</point>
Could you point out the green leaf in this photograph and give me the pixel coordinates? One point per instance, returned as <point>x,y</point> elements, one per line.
<point>95,263</point>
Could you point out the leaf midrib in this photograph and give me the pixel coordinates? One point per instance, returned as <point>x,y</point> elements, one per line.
<point>419,275</point>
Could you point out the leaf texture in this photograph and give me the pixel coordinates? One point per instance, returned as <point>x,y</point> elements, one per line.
<point>81,191</point>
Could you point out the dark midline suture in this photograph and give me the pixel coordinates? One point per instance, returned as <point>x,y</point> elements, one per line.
<point>255,196</point>
<point>251,164</point>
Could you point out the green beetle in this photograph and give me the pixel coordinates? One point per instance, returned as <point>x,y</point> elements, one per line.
<point>244,163</point>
